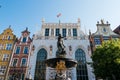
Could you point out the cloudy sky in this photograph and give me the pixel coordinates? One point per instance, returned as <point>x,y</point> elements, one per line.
<point>28,13</point>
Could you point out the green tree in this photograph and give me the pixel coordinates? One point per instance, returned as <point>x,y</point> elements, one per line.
<point>106,60</point>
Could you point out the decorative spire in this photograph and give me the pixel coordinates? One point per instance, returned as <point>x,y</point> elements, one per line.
<point>43,20</point>
<point>89,32</point>
<point>102,21</point>
<point>78,20</point>
<point>107,22</point>
<point>97,22</point>
<point>26,28</point>
<point>9,26</point>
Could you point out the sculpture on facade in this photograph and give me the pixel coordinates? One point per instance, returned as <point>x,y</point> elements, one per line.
<point>61,47</point>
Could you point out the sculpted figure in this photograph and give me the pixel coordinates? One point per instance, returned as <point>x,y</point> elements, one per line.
<point>60,46</point>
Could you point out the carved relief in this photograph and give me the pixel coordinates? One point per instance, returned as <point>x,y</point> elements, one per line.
<point>51,49</point>
<point>69,32</point>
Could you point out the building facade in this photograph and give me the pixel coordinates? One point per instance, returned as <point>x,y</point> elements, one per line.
<point>103,33</point>
<point>18,67</point>
<point>45,47</point>
<point>7,40</point>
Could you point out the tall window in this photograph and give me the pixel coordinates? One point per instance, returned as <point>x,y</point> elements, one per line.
<point>2,70</point>
<point>17,50</point>
<point>25,50</point>
<point>46,32</point>
<point>24,39</point>
<point>81,68</point>
<point>74,32</point>
<point>23,62</point>
<point>64,32</point>
<point>57,32</point>
<point>8,46</point>
<point>5,57</point>
<point>15,62</point>
<point>40,70</point>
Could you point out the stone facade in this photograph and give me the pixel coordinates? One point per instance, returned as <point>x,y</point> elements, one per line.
<point>77,47</point>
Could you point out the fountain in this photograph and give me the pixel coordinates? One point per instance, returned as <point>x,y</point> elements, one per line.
<point>61,63</point>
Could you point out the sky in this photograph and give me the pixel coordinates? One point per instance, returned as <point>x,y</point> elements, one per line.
<point>29,13</point>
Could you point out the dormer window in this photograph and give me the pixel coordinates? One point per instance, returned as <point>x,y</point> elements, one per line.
<point>24,39</point>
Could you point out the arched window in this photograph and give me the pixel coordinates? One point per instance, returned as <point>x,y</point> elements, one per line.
<point>81,69</point>
<point>40,70</point>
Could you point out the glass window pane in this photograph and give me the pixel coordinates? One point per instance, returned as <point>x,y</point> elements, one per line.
<point>64,32</point>
<point>23,62</point>
<point>81,67</point>
<point>24,39</point>
<point>47,32</point>
<point>40,70</point>
<point>57,32</point>
<point>74,32</point>
<point>26,50</point>
<point>17,50</point>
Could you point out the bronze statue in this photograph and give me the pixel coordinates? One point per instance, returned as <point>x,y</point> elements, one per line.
<point>60,46</point>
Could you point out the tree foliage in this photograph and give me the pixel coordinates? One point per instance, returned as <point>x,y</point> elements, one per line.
<point>106,60</point>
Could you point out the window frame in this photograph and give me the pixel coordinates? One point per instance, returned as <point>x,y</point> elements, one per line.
<point>57,32</point>
<point>27,50</point>
<point>2,69</point>
<point>24,39</point>
<point>8,46</point>
<point>5,57</point>
<point>47,31</point>
<point>16,62</point>
<point>74,32</point>
<point>64,32</point>
<point>22,62</point>
<point>17,51</point>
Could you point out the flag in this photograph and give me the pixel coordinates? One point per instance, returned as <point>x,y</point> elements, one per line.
<point>59,15</point>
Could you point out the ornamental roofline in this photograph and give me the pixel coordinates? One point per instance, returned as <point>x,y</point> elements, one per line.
<point>57,24</point>
<point>102,23</point>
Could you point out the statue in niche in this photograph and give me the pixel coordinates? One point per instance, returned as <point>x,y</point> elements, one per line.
<point>61,47</point>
